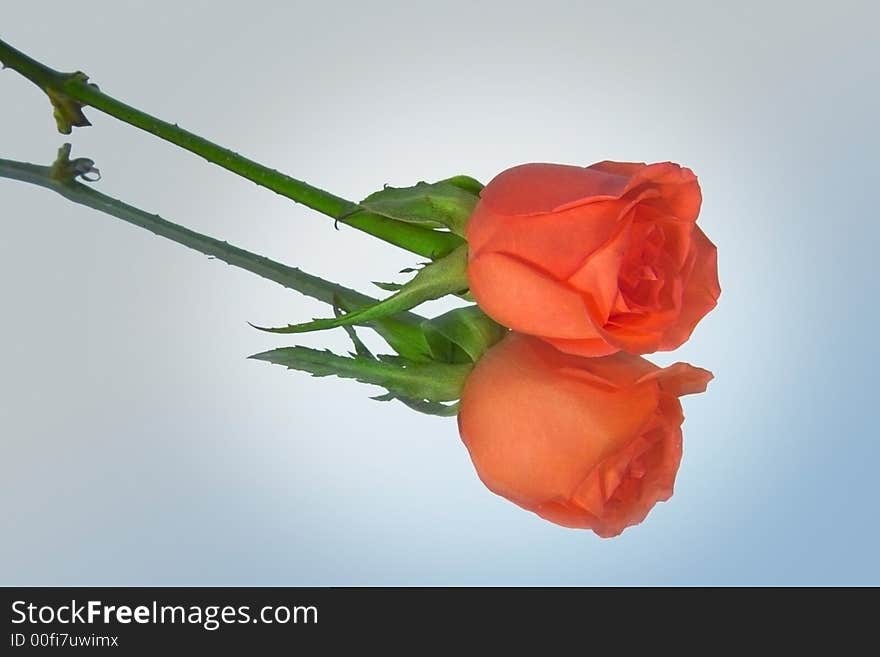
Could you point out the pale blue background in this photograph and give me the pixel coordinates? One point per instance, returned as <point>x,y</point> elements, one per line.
<point>140,447</point>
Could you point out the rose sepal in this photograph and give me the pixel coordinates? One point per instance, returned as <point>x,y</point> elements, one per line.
<point>462,335</point>
<point>446,204</point>
<point>423,384</point>
<point>447,275</point>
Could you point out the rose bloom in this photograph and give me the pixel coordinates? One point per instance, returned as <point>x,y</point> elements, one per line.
<point>594,259</point>
<point>583,442</point>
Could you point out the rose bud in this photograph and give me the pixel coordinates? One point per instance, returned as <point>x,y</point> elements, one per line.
<point>590,443</point>
<point>593,259</point>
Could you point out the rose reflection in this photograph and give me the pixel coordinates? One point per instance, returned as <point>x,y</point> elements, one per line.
<point>589,443</point>
<point>585,442</point>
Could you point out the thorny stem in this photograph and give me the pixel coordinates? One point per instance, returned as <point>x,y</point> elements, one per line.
<point>76,88</point>
<point>402,330</point>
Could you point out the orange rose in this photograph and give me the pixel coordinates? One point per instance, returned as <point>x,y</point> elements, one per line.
<point>594,260</point>
<point>583,442</point>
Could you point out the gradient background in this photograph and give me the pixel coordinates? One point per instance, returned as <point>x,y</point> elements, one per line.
<point>140,447</point>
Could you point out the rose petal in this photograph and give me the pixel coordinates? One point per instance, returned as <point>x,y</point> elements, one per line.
<point>700,294</point>
<point>538,188</point>
<point>583,442</point>
<point>624,169</point>
<point>620,235</point>
<point>681,379</point>
<point>559,242</point>
<point>523,298</point>
<point>533,457</point>
<point>566,514</point>
<point>589,347</point>
<point>679,188</point>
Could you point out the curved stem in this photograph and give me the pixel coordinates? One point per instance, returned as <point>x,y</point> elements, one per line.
<point>425,242</point>
<point>402,331</point>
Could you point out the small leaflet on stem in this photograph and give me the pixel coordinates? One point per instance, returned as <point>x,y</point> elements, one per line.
<point>68,112</point>
<point>65,170</point>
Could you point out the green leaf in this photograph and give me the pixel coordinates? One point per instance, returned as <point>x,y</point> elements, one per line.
<point>434,382</point>
<point>433,205</point>
<point>462,335</point>
<point>445,276</point>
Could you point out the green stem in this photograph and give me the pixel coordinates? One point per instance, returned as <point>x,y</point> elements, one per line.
<point>425,242</point>
<point>401,331</point>
<point>38,73</point>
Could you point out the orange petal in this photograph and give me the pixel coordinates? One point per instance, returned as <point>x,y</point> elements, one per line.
<point>523,298</point>
<point>559,242</point>
<point>700,294</point>
<point>681,379</point>
<point>625,169</point>
<point>534,435</point>
<point>589,347</point>
<point>679,188</point>
<point>539,188</point>
<point>567,514</point>
<point>598,276</point>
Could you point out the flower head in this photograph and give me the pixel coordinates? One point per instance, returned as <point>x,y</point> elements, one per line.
<point>583,442</point>
<point>594,259</point>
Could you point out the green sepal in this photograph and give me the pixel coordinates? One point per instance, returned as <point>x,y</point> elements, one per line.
<point>420,405</point>
<point>468,184</point>
<point>445,204</point>
<point>388,287</point>
<point>426,407</point>
<point>462,335</point>
<point>360,349</point>
<point>445,276</point>
<point>409,341</point>
<point>432,382</point>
